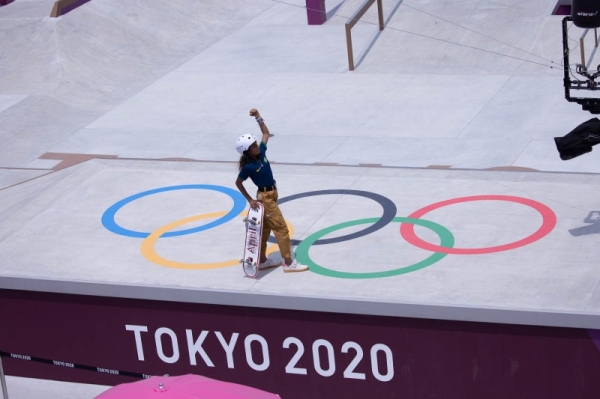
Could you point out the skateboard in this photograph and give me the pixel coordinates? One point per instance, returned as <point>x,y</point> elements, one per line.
<point>251,258</point>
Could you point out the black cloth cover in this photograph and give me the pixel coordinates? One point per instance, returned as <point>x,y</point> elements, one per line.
<point>579,141</point>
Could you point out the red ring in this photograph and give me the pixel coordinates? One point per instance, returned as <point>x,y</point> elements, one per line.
<point>548,222</point>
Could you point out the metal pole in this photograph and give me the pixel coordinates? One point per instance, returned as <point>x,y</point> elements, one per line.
<point>3,381</point>
<point>582,51</point>
<point>566,79</point>
<point>380,12</point>
<point>349,47</point>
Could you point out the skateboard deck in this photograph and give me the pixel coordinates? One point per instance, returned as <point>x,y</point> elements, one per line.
<point>251,258</point>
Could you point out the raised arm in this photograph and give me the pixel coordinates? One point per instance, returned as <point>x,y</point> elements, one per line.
<point>261,123</point>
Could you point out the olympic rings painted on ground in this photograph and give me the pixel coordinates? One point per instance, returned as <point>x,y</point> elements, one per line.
<point>389,215</point>
<point>446,237</point>
<point>239,204</point>
<point>548,222</point>
<point>389,211</point>
<point>149,251</point>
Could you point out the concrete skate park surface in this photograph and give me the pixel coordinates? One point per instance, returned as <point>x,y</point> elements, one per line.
<point>118,120</point>
<point>518,232</point>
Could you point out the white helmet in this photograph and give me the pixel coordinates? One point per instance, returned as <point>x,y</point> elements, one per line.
<point>244,142</point>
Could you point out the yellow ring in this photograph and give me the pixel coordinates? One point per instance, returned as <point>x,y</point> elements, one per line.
<point>149,252</point>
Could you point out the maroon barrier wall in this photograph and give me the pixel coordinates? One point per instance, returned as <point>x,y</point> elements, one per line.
<point>315,12</point>
<point>296,354</point>
<point>5,2</point>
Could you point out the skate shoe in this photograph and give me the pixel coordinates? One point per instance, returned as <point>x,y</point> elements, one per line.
<point>268,264</point>
<point>295,267</point>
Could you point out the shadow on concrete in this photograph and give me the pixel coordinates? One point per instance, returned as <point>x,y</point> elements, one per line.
<point>332,12</point>
<point>593,228</point>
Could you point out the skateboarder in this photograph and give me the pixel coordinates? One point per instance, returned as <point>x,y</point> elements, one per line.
<point>255,165</point>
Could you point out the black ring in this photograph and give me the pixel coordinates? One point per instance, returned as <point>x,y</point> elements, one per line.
<point>389,212</point>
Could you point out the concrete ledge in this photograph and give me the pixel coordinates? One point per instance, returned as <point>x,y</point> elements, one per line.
<point>61,7</point>
<point>542,318</point>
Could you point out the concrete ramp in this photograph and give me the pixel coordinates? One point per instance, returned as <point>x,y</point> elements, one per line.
<point>74,68</point>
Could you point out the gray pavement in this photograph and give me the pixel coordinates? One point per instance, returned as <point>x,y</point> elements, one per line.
<point>31,388</point>
<point>451,102</point>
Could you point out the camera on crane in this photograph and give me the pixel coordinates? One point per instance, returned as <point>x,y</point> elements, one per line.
<point>585,14</point>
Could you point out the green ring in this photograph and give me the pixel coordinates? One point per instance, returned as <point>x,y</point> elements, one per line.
<point>446,237</point>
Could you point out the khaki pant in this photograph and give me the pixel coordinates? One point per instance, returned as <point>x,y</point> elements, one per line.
<point>273,221</point>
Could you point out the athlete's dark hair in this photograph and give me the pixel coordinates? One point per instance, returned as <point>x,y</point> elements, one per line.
<point>244,159</point>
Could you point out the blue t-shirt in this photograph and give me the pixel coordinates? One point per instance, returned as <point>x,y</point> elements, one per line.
<point>259,171</point>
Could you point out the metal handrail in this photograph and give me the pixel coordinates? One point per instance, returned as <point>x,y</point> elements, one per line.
<point>354,19</point>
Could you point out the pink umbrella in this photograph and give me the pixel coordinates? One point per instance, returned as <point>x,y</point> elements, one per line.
<point>187,386</point>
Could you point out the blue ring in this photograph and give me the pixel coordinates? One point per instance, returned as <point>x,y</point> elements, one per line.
<point>108,218</point>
